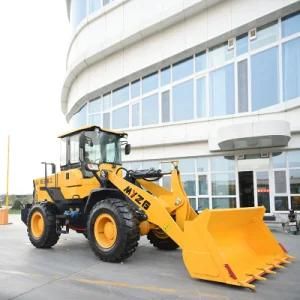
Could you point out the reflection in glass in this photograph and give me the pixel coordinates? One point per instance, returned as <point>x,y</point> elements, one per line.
<point>183,101</point>
<point>281,203</point>
<point>280,182</point>
<point>263,190</point>
<point>291,69</point>
<point>295,181</point>
<point>182,69</point>
<point>189,184</point>
<point>295,202</point>
<point>264,67</point>
<point>222,91</point>
<point>223,184</point>
<point>203,203</point>
<point>193,202</point>
<point>223,203</point>
<point>202,185</point>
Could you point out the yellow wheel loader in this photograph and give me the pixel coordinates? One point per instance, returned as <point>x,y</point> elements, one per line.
<point>112,206</point>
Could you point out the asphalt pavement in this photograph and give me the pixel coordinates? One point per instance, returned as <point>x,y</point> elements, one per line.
<point>70,271</point>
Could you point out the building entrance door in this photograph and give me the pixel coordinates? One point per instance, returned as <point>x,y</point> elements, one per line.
<point>254,183</point>
<point>246,188</point>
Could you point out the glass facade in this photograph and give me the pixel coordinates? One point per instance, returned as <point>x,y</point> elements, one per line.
<point>213,182</point>
<point>252,74</point>
<point>80,9</point>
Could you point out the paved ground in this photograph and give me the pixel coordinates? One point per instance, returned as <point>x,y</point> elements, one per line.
<point>71,271</point>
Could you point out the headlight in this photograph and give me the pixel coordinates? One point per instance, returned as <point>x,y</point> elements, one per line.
<point>92,167</point>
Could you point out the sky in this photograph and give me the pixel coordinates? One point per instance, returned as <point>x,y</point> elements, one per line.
<point>34,38</point>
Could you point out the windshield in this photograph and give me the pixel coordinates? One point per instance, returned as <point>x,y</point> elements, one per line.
<point>102,147</point>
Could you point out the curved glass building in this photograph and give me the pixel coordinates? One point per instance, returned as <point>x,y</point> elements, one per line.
<point>215,84</point>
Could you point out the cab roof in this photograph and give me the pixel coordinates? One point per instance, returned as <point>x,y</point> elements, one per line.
<point>91,128</point>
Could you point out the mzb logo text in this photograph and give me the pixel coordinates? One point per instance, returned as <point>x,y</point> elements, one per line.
<point>140,200</point>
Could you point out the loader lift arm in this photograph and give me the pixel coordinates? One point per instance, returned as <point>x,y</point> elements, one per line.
<point>232,246</point>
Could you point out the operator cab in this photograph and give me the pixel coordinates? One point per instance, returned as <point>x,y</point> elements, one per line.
<point>91,145</point>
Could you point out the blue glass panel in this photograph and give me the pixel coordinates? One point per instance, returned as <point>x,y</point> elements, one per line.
<point>222,91</point>
<point>80,118</point>
<point>150,110</point>
<point>242,44</point>
<point>95,106</point>
<point>201,61</point>
<point>106,120</point>
<point>201,97</point>
<point>183,101</point>
<point>165,106</point>
<point>120,118</point>
<point>291,24</point>
<point>120,95</point>
<point>95,119</point>
<point>264,67</point>
<point>219,163</point>
<point>291,69</point>
<point>94,5</point>
<point>219,55</point>
<point>106,102</point>
<point>182,69</point>
<point>150,83</point>
<point>265,35</point>
<point>78,11</point>
<point>135,89</point>
<point>135,114</point>
<point>165,76</point>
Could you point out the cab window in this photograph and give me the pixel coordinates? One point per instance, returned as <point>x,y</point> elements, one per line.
<point>74,149</point>
<point>63,152</point>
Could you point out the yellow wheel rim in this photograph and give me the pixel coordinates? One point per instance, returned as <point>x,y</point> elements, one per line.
<point>37,224</point>
<point>105,231</point>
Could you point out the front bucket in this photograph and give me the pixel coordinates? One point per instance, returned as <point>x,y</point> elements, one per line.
<point>232,246</point>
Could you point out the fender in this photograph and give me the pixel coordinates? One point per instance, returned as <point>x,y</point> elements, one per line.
<point>100,194</point>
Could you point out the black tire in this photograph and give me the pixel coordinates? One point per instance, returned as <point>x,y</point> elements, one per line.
<point>127,236</point>
<point>49,236</point>
<point>161,241</point>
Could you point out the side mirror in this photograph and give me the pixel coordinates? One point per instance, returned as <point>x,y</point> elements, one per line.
<point>127,149</point>
<point>53,168</point>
